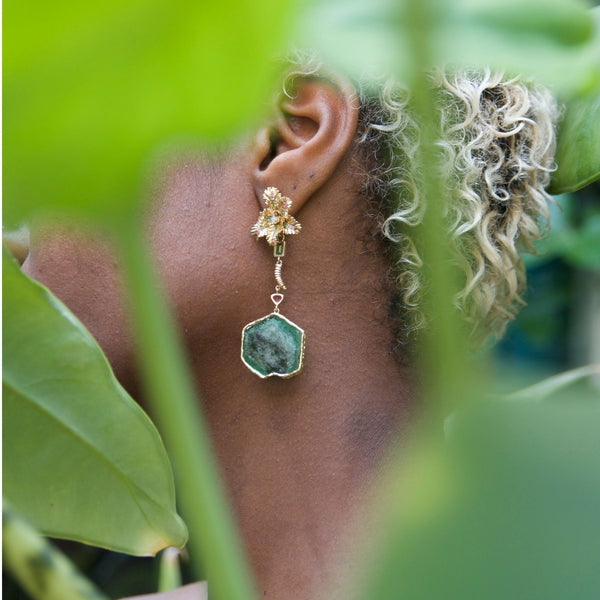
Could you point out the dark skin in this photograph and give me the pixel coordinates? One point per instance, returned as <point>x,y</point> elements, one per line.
<point>298,455</point>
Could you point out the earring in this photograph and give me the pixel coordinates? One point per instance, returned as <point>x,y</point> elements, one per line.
<point>273,345</point>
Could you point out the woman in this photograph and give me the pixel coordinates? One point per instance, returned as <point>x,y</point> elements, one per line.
<point>298,454</point>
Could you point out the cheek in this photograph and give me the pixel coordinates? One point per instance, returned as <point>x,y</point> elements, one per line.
<point>200,236</point>
<point>85,276</point>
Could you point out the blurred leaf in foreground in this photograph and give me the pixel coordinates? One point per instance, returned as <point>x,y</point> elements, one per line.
<point>506,508</point>
<point>90,89</point>
<point>553,41</point>
<point>81,459</point>
<point>43,571</point>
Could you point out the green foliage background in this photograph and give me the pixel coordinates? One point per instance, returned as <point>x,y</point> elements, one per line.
<point>492,496</point>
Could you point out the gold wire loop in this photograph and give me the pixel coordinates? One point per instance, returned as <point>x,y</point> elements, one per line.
<point>277,299</point>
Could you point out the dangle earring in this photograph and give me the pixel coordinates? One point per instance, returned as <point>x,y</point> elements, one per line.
<point>273,345</point>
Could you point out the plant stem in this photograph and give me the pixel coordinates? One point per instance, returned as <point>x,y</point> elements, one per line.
<point>445,348</point>
<point>545,388</point>
<point>215,549</point>
<point>42,570</point>
<point>169,573</point>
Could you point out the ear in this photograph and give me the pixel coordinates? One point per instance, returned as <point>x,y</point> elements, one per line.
<point>314,129</point>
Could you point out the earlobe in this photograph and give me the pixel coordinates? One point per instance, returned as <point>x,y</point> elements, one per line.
<point>314,129</point>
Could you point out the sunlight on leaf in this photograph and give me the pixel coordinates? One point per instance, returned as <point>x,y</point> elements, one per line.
<point>81,459</point>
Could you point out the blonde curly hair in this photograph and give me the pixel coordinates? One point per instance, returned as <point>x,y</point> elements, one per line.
<point>497,145</point>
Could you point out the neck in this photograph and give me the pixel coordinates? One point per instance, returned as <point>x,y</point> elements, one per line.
<point>298,454</point>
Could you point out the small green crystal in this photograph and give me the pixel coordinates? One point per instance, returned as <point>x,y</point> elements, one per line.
<point>279,249</point>
<point>273,345</point>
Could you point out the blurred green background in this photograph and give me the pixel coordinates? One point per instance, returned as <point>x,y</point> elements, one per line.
<point>559,328</point>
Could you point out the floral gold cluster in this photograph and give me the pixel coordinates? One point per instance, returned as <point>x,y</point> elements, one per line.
<point>274,221</point>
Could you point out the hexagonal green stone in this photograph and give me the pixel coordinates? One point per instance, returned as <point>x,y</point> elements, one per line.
<point>273,345</point>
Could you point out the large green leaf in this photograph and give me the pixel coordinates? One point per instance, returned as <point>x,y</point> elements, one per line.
<point>507,508</point>
<point>551,40</point>
<point>556,42</point>
<point>90,89</point>
<point>81,459</point>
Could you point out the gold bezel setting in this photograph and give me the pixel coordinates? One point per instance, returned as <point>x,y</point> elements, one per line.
<point>265,373</point>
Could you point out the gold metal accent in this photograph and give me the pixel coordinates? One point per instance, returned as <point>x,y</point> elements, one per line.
<point>274,223</point>
<point>279,249</point>
<point>302,348</point>
<point>274,220</point>
<point>280,284</point>
<point>277,302</point>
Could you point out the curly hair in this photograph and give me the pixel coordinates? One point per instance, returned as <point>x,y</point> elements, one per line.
<point>497,145</point>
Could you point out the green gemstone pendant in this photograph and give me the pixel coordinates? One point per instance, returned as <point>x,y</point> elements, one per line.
<point>273,346</point>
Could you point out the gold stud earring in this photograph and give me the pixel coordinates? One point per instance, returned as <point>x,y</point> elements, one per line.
<point>273,345</point>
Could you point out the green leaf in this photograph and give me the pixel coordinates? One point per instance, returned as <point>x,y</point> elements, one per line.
<point>506,508</point>
<point>578,149</point>
<point>582,248</point>
<point>91,89</point>
<point>81,459</point>
<point>40,568</point>
<point>574,238</point>
<point>215,546</point>
<point>552,41</point>
<point>555,383</point>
